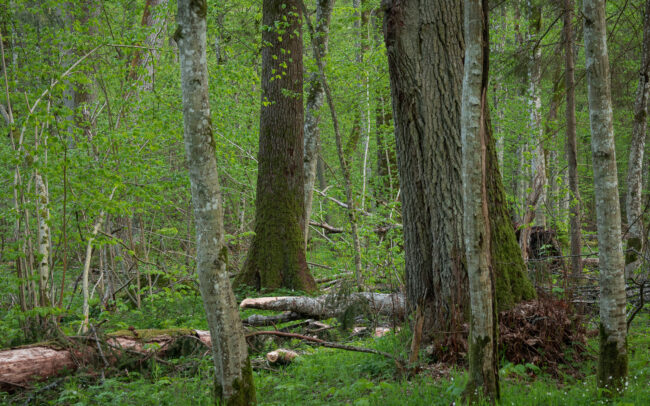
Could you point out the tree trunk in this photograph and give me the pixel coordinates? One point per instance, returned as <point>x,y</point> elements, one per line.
<point>637,146</point>
<point>538,162</point>
<point>153,18</point>
<point>571,144</point>
<point>424,42</point>
<point>315,98</point>
<point>612,359</point>
<point>233,374</point>
<point>483,361</point>
<point>277,254</point>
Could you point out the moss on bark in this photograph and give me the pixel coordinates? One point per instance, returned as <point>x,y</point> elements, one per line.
<point>512,282</point>
<point>481,385</point>
<point>244,390</point>
<point>634,246</point>
<point>612,365</point>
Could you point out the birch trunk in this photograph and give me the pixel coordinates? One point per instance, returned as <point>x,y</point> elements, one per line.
<point>635,163</point>
<point>612,360</point>
<point>315,98</point>
<point>43,217</point>
<point>233,374</point>
<point>483,364</point>
<point>571,144</point>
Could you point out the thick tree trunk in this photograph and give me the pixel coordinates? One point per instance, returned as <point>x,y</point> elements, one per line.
<point>637,146</point>
<point>277,254</point>
<point>424,42</point>
<point>233,375</point>
<point>483,356</point>
<point>153,18</point>
<point>575,221</point>
<point>612,360</point>
<point>315,98</point>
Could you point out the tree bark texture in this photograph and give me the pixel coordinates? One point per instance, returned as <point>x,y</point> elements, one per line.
<point>637,146</point>
<point>233,374</point>
<point>424,42</point>
<point>153,18</point>
<point>276,257</point>
<point>483,361</point>
<point>612,360</point>
<point>315,99</point>
<point>571,143</point>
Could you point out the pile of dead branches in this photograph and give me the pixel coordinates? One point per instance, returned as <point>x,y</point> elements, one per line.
<point>541,332</point>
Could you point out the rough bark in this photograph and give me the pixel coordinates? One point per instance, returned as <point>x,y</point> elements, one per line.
<point>333,305</point>
<point>276,257</point>
<point>571,143</point>
<point>612,359</point>
<point>483,361</point>
<point>637,146</point>
<point>424,42</point>
<point>315,98</point>
<point>233,376</point>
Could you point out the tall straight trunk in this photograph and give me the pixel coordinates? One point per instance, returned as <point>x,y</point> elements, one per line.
<point>351,207</point>
<point>43,237</point>
<point>312,113</point>
<point>637,146</point>
<point>424,42</point>
<point>538,160</point>
<point>483,357</point>
<point>571,144</point>
<point>233,374</point>
<point>276,257</point>
<point>612,359</point>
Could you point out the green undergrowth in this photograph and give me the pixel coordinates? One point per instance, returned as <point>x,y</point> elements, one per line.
<point>330,376</point>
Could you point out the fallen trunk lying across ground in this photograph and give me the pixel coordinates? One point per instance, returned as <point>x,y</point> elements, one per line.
<point>326,306</point>
<point>20,366</point>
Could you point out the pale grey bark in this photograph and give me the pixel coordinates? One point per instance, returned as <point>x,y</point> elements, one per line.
<point>483,376</point>
<point>43,237</point>
<point>612,370</point>
<point>332,305</point>
<point>538,160</point>
<point>230,354</point>
<point>637,146</point>
<point>315,99</point>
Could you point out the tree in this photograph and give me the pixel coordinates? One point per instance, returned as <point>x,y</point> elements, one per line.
<point>483,361</point>
<point>637,147</point>
<point>315,99</point>
<point>571,143</point>
<point>612,358</point>
<point>425,58</point>
<point>276,257</point>
<point>233,373</point>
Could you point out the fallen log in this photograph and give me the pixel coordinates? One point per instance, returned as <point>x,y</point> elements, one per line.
<point>326,306</point>
<point>21,366</point>
<point>281,356</point>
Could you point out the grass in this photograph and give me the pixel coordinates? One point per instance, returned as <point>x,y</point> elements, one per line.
<point>326,376</point>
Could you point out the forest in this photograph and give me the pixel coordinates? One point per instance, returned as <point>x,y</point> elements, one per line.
<point>306,202</point>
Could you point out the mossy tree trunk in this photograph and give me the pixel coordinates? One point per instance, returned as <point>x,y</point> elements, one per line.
<point>612,359</point>
<point>276,257</point>
<point>233,374</point>
<point>425,58</point>
<point>483,362</point>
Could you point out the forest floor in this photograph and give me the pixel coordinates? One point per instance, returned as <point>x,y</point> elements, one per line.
<point>328,376</point>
